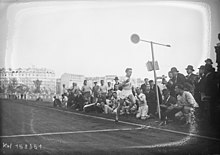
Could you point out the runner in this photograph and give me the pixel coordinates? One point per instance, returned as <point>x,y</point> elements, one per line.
<point>126,92</point>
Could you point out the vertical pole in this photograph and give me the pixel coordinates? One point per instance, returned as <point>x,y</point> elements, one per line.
<point>155,79</point>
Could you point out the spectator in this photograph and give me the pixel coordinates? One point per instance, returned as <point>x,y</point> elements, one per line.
<point>95,90</point>
<point>152,98</point>
<point>64,101</point>
<point>116,82</point>
<point>145,87</point>
<point>110,90</point>
<point>178,77</point>
<point>86,92</point>
<point>78,101</point>
<point>211,91</point>
<point>56,102</point>
<point>109,95</point>
<point>111,107</point>
<point>71,98</point>
<point>187,101</point>
<point>199,92</point>
<point>109,86</point>
<point>170,84</point>
<point>142,105</point>
<point>167,106</point>
<point>74,88</point>
<point>103,88</point>
<point>116,89</point>
<point>64,90</point>
<point>208,61</point>
<point>97,106</point>
<point>190,79</point>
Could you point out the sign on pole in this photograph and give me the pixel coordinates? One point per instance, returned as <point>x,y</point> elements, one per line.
<point>150,67</point>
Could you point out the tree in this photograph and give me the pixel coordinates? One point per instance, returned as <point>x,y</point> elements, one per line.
<point>37,84</point>
<point>21,88</point>
<point>12,85</point>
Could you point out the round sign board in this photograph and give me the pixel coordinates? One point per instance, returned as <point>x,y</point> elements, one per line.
<point>135,38</point>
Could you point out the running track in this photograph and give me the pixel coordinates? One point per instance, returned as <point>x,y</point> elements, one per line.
<point>54,131</point>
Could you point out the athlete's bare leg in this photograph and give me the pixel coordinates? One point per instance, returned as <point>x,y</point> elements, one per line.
<point>121,102</point>
<point>132,101</point>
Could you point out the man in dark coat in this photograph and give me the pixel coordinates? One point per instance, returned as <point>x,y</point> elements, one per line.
<point>211,91</point>
<point>152,98</point>
<point>167,105</point>
<point>178,77</point>
<point>199,91</point>
<point>145,87</point>
<point>190,79</point>
<point>170,84</point>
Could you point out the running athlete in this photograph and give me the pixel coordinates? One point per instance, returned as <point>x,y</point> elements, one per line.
<point>126,92</point>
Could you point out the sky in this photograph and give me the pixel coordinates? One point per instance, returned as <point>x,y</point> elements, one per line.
<point>93,38</point>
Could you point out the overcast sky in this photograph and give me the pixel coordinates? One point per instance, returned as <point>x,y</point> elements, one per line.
<point>93,38</point>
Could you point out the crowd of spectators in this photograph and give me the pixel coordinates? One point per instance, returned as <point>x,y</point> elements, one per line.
<point>181,97</point>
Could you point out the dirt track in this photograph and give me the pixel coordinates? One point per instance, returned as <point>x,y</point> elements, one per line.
<point>54,131</point>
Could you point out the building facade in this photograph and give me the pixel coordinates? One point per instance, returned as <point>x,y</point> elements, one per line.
<point>27,77</point>
<point>58,86</point>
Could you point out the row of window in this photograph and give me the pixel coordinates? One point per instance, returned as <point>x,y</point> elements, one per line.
<point>27,74</point>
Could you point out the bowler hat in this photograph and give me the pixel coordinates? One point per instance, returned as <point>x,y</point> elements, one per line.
<point>210,60</point>
<point>116,78</point>
<point>173,69</point>
<point>190,67</point>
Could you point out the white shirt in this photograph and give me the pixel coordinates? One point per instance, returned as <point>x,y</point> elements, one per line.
<point>64,90</point>
<point>186,99</point>
<point>126,84</point>
<point>142,99</point>
<point>104,89</point>
<point>86,88</point>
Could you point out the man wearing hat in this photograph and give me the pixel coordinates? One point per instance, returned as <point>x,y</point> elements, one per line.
<point>209,61</point>
<point>178,77</point>
<point>116,82</point>
<point>190,78</point>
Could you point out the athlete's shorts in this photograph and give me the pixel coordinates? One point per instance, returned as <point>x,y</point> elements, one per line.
<point>125,93</point>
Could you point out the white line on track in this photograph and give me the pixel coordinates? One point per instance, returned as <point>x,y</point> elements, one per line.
<point>70,132</point>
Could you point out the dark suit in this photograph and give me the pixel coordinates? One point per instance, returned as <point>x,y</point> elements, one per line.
<point>190,82</point>
<point>144,89</point>
<point>191,78</point>
<point>199,89</point>
<point>211,90</point>
<point>152,99</point>
<point>165,111</point>
<point>171,87</point>
<point>179,79</point>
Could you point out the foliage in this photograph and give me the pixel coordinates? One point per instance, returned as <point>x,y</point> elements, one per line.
<point>22,89</point>
<point>37,84</point>
<point>12,85</point>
